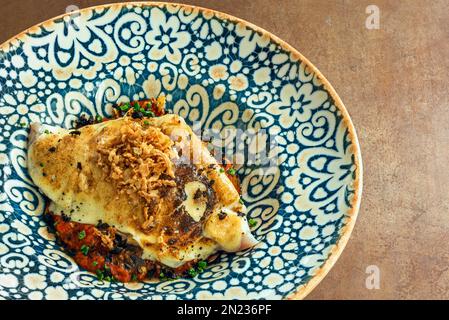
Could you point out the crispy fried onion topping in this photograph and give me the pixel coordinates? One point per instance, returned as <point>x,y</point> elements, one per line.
<point>136,157</point>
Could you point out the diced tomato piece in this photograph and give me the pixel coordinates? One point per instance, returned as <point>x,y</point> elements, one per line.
<point>119,273</point>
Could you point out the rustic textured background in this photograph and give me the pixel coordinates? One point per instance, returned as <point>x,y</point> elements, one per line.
<point>394,82</point>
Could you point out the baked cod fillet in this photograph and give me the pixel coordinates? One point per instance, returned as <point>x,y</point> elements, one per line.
<point>153,180</point>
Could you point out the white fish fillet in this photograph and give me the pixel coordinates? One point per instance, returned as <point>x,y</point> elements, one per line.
<point>64,165</point>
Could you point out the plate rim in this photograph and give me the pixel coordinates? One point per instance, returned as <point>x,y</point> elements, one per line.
<point>303,290</point>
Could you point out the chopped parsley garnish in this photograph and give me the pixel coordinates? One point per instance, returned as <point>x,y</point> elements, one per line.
<point>192,272</point>
<point>84,249</point>
<point>134,277</point>
<point>231,171</point>
<point>23,124</point>
<point>82,235</point>
<point>148,113</point>
<point>124,107</point>
<point>98,118</point>
<point>241,201</point>
<point>202,265</point>
<point>137,107</point>
<point>146,122</point>
<point>252,222</point>
<point>95,263</point>
<point>222,170</point>
<point>164,277</point>
<point>46,131</point>
<point>100,275</point>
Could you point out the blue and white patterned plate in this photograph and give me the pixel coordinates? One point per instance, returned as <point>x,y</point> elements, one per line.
<point>215,69</point>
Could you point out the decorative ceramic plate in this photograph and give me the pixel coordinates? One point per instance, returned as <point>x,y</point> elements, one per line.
<point>214,69</point>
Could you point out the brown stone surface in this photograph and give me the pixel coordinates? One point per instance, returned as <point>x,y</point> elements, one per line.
<point>394,83</point>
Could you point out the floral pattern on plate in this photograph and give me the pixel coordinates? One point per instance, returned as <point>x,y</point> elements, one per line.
<point>215,70</point>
